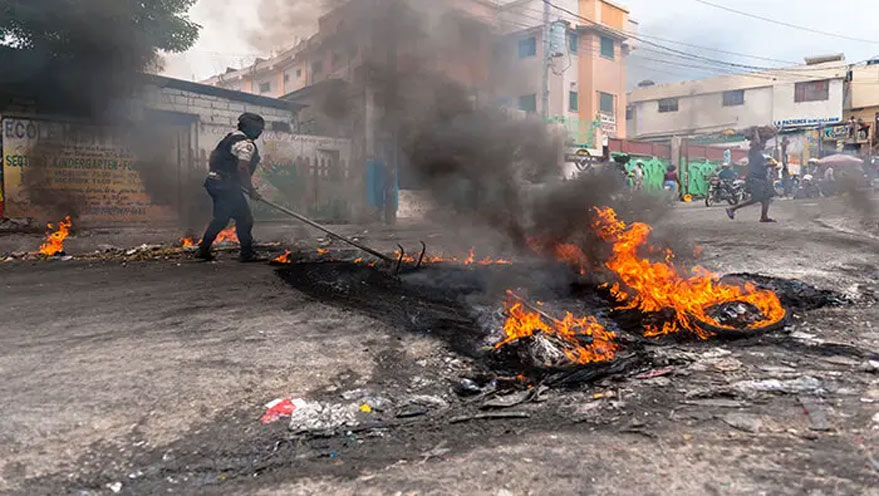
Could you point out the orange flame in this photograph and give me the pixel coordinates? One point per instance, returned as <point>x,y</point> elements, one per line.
<point>522,323</point>
<point>227,235</point>
<point>656,286</point>
<point>321,251</point>
<point>187,242</point>
<point>55,240</point>
<point>284,259</point>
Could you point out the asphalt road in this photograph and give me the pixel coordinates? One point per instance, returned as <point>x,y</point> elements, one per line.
<point>107,369</point>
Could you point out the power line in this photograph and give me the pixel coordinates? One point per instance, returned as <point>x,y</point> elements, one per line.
<point>676,42</point>
<point>680,52</point>
<point>697,62</point>
<point>787,24</point>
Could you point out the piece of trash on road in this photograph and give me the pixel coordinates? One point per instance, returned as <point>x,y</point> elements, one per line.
<point>324,417</point>
<point>280,408</point>
<point>655,373</point>
<point>470,387</point>
<point>365,408</point>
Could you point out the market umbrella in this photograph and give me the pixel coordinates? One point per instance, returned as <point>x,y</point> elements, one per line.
<point>841,160</point>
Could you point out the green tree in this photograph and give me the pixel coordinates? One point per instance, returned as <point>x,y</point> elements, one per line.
<point>77,55</point>
<point>66,28</point>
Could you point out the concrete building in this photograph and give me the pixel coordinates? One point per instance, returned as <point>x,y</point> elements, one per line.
<point>587,51</point>
<point>793,98</point>
<point>587,70</point>
<point>151,167</point>
<point>337,50</point>
<point>862,104</point>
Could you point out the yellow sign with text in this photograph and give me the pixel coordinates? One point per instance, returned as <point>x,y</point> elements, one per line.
<point>85,168</point>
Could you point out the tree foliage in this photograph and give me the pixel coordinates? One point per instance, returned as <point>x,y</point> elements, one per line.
<point>70,29</point>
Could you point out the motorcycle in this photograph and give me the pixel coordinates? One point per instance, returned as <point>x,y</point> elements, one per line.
<point>719,191</point>
<point>807,188</point>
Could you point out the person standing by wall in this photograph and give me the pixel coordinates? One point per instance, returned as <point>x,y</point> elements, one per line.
<point>670,181</point>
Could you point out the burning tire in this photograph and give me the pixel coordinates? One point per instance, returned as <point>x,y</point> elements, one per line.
<point>736,320</point>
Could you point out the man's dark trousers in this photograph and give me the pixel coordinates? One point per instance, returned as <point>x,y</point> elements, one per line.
<point>229,203</point>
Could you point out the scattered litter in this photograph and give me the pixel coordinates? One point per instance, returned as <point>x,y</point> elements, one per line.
<point>469,387</point>
<point>420,404</point>
<point>365,408</point>
<point>715,402</point>
<point>489,416</point>
<point>280,408</point>
<point>317,417</point>
<point>504,492</point>
<point>816,413</point>
<point>115,487</point>
<point>744,421</point>
<point>655,373</point>
<point>736,314</point>
<point>507,401</point>
<point>804,384</point>
<point>876,418</point>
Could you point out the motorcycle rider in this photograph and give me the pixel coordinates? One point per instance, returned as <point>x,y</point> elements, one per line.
<point>727,177</point>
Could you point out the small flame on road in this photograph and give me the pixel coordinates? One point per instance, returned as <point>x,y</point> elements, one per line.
<point>55,239</point>
<point>523,322</point>
<point>227,235</point>
<point>187,242</point>
<point>470,260</point>
<point>284,259</point>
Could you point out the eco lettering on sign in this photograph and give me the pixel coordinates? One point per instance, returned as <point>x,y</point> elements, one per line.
<point>87,164</point>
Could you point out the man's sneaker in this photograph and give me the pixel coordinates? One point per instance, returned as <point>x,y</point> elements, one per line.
<point>768,220</point>
<point>251,258</point>
<point>205,255</point>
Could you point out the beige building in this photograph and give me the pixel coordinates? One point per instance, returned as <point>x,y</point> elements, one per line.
<point>806,96</point>
<point>862,103</point>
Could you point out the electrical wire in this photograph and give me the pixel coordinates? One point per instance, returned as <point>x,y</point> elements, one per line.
<point>680,52</point>
<point>676,42</point>
<point>787,24</point>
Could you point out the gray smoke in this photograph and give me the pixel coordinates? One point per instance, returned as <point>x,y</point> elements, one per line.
<point>85,64</point>
<point>284,22</point>
<point>428,74</point>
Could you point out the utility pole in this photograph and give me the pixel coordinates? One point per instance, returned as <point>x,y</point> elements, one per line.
<point>547,62</point>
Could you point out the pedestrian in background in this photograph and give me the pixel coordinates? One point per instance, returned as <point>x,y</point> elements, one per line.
<point>670,180</point>
<point>758,182</point>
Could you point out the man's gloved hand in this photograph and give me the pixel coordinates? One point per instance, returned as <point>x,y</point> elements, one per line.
<point>254,194</point>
